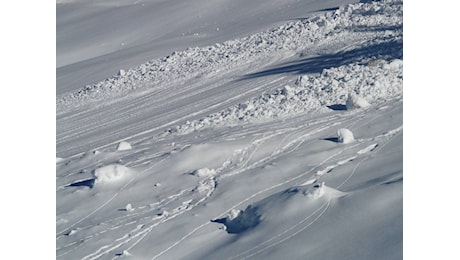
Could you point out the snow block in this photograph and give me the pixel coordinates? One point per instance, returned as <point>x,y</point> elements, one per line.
<point>111,173</point>
<point>122,146</point>
<point>355,101</point>
<point>345,136</point>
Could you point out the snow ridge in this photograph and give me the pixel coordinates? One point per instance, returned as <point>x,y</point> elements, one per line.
<point>286,39</point>
<point>312,93</point>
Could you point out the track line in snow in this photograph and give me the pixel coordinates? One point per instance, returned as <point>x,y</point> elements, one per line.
<point>293,179</point>
<point>324,205</point>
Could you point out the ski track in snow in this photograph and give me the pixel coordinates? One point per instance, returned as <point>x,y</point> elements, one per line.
<point>299,227</point>
<point>283,148</point>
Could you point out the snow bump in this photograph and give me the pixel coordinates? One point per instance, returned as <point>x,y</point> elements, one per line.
<point>111,173</point>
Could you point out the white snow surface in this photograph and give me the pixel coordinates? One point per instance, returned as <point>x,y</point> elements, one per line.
<point>279,136</point>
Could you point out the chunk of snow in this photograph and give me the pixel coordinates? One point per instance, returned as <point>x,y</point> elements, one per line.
<point>111,173</point>
<point>239,221</point>
<point>287,90</point>
<point>355,101</point>
<point>122,146</point>
<point>121,73</point>
<point>345,136</point>
<point>204,172</point>
<point>129,208</point>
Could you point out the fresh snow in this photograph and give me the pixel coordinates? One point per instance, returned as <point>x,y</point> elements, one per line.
<point>226,137</point>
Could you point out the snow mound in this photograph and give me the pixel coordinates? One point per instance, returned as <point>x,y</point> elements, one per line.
<point>274,210</point>
<point>238,221</point>
<point>129,208</point>
<point>345,136</point>
<point>111,173</point>
<point>204,172</point>
<point>122,146</point>
<point>355,101</point>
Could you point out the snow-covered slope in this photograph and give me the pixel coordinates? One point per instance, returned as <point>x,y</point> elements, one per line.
<point>97,38</point>
<point>281,143</point>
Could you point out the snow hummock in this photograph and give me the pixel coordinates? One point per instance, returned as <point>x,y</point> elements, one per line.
<point>122,146</point>
<point>355,101</point>
<point>345,136</point>
<point>111,173</point>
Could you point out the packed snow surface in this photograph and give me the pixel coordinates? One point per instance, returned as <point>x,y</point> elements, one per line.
<point>275,137</point>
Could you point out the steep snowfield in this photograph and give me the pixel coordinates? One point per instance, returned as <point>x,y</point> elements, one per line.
<point>97,38</point>
<point>281,143</point>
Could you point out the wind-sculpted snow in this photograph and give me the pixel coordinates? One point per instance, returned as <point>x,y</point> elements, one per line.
<point>381,19</point>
